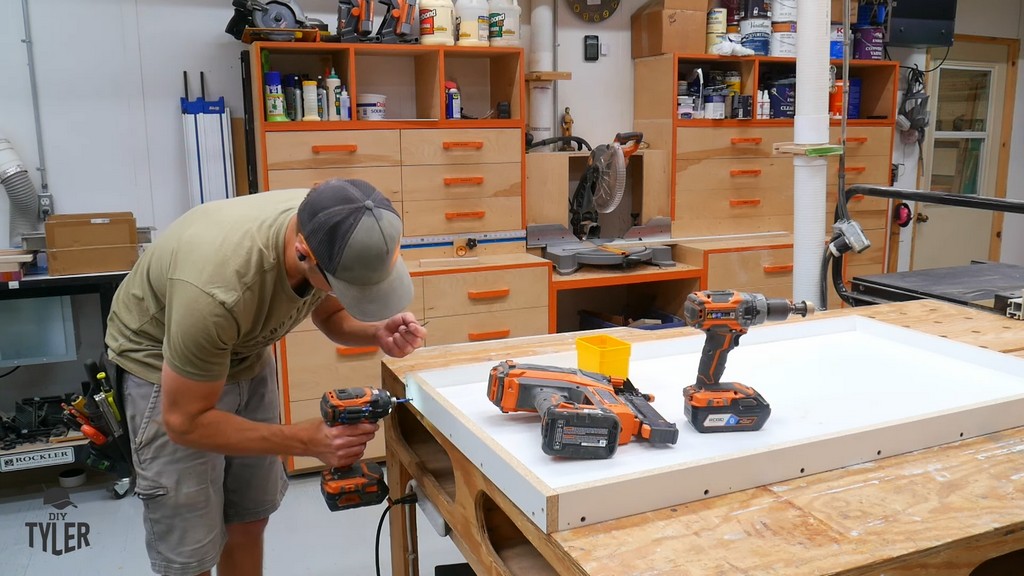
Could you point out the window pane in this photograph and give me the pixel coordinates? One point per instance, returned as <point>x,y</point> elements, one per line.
<point>955,165</point>
<point>963,100</point>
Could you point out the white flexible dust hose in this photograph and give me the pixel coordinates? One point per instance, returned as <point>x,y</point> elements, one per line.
<point>811,126</point>
<point>542,59</point>
<point>22,192</point>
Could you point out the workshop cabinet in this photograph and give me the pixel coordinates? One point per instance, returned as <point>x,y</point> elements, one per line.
<point>762,264</point>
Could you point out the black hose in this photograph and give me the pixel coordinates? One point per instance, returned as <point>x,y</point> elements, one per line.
<point>976,202</point>
<point>826,258</point>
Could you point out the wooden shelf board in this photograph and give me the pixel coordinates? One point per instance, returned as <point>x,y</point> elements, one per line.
<point>398,123</point>
<point>595,276</point>
<point>705,123</point>
<point>547,76</point>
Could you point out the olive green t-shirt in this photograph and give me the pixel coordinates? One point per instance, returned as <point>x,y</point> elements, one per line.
<point>211,293</point>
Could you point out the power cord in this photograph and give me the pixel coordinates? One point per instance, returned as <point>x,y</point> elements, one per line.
<point>409,498</point>
<point>9,372</point>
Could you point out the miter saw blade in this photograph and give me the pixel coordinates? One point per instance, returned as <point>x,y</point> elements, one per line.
<point>278,14</point>
<point>611,181</point>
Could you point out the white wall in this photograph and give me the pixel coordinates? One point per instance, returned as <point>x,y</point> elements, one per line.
<point>1013,225</point>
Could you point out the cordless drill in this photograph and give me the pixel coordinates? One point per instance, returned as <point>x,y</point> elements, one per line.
<point>725,315</point>
<point>363,483</point>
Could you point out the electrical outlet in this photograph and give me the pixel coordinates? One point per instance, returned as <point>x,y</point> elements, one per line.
<point>45,205</point>
<point>431,512</point>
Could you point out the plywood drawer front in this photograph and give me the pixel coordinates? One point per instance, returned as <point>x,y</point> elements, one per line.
<point>859,202</point>
<point>315,365</point>
<point>416,307</point>
<point>730,173</point>
<point>864,140</point>
<point>864,170</point>
<point>461,146</point>
<point>386,179</point>
<point>487,326</point>
<point>450,294</point>
<point>463,181</point>
<point>326,149</point>
<point>732,142</point>
<point>739,270</point>
<point>427,217</point>
<point>735,203</point>
<point>310,409</point>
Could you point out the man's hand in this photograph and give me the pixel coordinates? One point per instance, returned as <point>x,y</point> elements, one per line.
<point>400,335</point>
<point>337,446</point>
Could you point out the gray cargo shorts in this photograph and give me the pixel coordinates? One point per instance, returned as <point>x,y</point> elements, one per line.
<point>189,495</point>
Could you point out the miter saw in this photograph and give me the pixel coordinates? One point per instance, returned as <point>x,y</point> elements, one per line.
<point>600,190</point>
<point>270,14</point>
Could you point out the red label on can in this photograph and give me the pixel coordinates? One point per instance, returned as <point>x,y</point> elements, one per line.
<point>427,16</point>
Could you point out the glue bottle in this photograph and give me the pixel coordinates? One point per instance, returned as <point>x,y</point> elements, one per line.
<point>309,101</point>
<point>437,22</point>
<point>333,84</point>
<point>504,25</point>
<point>474,19</point>
<point>344,105</point>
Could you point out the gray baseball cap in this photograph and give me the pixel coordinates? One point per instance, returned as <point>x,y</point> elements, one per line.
<point>354,233</point>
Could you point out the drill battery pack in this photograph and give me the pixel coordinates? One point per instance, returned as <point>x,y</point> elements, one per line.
<point>584,434</point>
<point>361,484</point>
<point>727,407</point>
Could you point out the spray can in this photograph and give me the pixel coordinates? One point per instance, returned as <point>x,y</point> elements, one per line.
<point>321,98</point>
<point>344,105</point>
<point>293,96</point>
<point>333,85</point>
<point>453,101</point>
<point>274,97</point>
<point>504,27</point>
<point>309,101</point>
<point>474,22</point>
<point>437,22</point>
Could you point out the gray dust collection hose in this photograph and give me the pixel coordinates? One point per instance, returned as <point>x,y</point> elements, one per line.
<point>24,200</point>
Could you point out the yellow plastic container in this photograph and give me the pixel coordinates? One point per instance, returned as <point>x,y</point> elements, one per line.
<point>603,354</point>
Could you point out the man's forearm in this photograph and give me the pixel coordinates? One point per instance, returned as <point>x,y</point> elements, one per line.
<point>343,329</point>
<point>226,433</point>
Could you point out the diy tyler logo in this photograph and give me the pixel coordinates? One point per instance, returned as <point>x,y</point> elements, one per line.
<point>57,535</point>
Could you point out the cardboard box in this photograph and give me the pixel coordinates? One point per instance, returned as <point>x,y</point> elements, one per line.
<point>89,243</point>
<point>667,26</point>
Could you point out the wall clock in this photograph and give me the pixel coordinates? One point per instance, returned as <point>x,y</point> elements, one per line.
<point>593,11</point>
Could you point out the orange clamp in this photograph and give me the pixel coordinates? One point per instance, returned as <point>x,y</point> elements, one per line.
<point>488,294</point>
<point>752,140</point>
<point>737,202</point>
<point>473,215</point>
<point>463,180</point>
<point>493,335</point>
<point>747,172</point>
<point>777,268</point>
<point>321,148</point>
<point>462,145</point>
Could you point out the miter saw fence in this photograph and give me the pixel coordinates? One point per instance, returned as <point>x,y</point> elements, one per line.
<point>270,14</point>
<point>602,185</point>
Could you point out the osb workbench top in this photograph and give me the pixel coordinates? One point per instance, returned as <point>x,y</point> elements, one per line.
<point>939,511</point>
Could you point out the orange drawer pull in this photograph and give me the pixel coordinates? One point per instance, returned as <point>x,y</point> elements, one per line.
<point>476,215</point>
<point>857,140</point>
<point>464,180</point>
<point>463,145</point>
<point>856,198</point>
<point>750,172</point>
<point>356,350</point>
<point>319,149</point>
<point>754,140</point>
<point>736,202</point>
<point>856,169</point>
<point>777,268</point>
<point>493,335</point>
<point>488,294</point>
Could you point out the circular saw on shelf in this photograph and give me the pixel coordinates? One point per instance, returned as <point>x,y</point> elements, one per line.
<point>602,185</point>
<point>269,15</point>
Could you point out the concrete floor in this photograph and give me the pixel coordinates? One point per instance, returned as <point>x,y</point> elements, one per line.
<point>303,537</point>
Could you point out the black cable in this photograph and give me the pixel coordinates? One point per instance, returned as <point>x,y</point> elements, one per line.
<point>9,372</point>
<point>943,61</point>
<point>407,499</point>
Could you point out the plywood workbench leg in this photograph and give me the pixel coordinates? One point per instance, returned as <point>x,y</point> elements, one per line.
<point>404,537</point>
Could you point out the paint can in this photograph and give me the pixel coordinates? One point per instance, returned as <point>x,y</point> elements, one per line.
<point>757,34</point>
<point>733,8</point>
<point>783,41</point>
<point>717,20</point>
<point>782,96</point>
<point>835,100</point>
<point>712,41</point>
<point>835,41</point>
<point>757,9</point>
<point>371,106</point>
<point>733,81</point>
<point>868,42</point>
<point>784,10</point>
<point>742,107</point>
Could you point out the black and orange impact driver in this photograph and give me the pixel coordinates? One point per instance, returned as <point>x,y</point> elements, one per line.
<point>725,315</point>
<point>363,483</point>
<point>583,414</point>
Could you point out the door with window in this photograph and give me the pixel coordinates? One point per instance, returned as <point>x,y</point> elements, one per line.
<point>964,153</point>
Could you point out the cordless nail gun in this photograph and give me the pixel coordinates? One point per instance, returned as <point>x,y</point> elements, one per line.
<point>583,414</point>
<point>363,483</point>
<point>725,315</point>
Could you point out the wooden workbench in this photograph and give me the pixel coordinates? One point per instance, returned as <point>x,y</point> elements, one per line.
<point>941,511</point>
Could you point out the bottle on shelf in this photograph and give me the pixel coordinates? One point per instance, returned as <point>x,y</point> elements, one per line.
<point>504,22</point>
<point>333,85</point>
<point>474,22</point>
<point>453,101</point>
<point>344,105</point>
<point>309,99</point>
<point>293,96</point>
<point>274,97</point>
<point>437,22</point>
<point>321,98</point>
